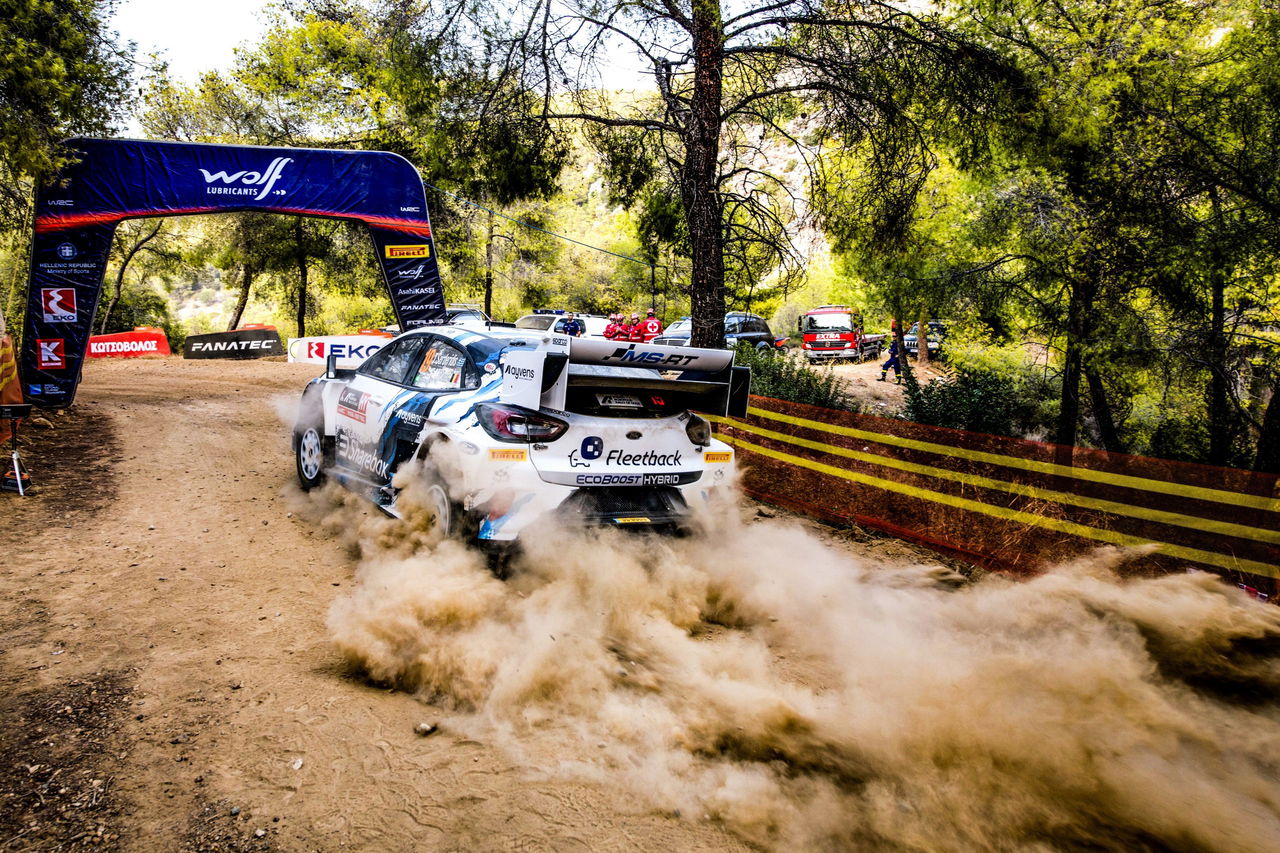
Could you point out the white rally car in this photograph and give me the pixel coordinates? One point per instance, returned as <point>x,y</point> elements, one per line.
<point>509,426</point>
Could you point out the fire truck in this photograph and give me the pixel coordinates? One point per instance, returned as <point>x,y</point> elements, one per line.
<point>835,331</point>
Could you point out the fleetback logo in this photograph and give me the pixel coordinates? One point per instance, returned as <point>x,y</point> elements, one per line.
<point>418,251</point>
<point>648,459</point>
<point>58,304</point>
<point>592,447</point>
<point>249,181</point>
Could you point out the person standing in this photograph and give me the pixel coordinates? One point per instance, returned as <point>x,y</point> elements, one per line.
<point>573,326</point>
<point>611,330</point>
<point>637,331</point>
<point>651,327</point>
<point>892,361</point>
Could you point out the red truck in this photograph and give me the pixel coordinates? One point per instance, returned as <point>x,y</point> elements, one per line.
<point>835,331</point>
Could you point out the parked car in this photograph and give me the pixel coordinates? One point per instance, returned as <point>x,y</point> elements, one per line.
<point>555,320</point>
<point>937,334</point>
<point>739,327</point>
<point>515,428</point>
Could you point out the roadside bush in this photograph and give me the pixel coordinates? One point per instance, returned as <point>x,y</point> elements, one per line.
<point>785,378</point>
<point>997,389</point>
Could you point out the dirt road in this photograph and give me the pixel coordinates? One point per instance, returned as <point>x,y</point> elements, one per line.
<point>165,660</point>
<point>194,656</point>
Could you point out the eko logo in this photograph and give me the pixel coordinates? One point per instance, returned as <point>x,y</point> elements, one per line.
<point>50,354</point>
<point>248,179</point>
<point>321,349</point>
<point>58,304</point>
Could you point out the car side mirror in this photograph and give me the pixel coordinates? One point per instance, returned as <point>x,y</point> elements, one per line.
<point>331,366</point>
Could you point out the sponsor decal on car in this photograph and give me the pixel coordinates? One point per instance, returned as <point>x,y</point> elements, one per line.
<point>58,304</point>
<point>717,456</point>
<point>508,454</point>
<point>249,180</point>
<point>363,457</point>
<point>620,401</point>
<point>638,479</point>
<point>422,250</point>
<point>647,459</point>
<point>51,353</point>
<point>631,355</point>
<point>592,447</point>
<point>353,404</point>
<point>634,519</point>
<point>524,374</point>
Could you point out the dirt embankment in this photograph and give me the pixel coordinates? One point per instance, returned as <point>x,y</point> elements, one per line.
<point>196,657</point>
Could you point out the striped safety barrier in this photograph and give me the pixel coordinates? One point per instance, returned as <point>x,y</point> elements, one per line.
<point>1007,503</point>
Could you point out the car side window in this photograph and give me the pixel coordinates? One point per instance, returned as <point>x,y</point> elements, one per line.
<point>391,363</point>
<point>442,367</point>
<point>731,327</point>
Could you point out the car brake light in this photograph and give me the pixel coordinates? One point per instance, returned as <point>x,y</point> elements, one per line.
<point>698,430</point>
<point>515,424</point>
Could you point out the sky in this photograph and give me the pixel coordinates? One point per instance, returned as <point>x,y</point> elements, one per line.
<point>193,36</point>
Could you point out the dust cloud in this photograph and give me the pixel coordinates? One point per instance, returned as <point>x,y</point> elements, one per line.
<point>809,700</point>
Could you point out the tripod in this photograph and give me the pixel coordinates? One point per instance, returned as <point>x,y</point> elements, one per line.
<point>18,480</point>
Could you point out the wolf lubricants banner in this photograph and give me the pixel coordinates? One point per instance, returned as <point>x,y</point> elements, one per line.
<point>1008,503</point>
<point>117,179</point>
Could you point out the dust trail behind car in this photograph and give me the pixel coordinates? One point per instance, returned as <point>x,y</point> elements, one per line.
<point>753,675</point>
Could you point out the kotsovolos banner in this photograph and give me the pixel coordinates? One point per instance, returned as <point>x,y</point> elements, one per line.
<point>116,179</point>
<point>129,344</point>
<point>351,350</point>
<point>242,343</point>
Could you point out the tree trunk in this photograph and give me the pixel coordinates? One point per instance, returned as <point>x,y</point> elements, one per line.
<point>488,270</point>
<point>1078,310</point>
<point>124,266</point>
<point>922,338</point>
<point>1102,412</point>
<point>247,274</point>
<point>1219,402</point>
<point>1268,459</point>
<point>698,176</point>
<point>302,277</point>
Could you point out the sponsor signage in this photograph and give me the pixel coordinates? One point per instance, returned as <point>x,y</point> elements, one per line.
<point>58,304</point>
<point>717,456</point>
<point>420,251</point>
<point>242,343</point>
<point>108,181</point>
<point>353,404</point>
<point>351,350</point>
<point>51,353</point>
<point>600,351</point>
<point>514,454</point>
<point>128,345</point>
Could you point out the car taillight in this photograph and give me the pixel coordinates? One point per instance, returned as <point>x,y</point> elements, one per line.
<point>698,430</point>
<point>514,424</point>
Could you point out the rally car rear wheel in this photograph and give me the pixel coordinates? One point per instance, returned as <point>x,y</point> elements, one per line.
<point>308,446</point>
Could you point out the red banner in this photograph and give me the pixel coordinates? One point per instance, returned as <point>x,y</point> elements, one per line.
<point>141,341</point>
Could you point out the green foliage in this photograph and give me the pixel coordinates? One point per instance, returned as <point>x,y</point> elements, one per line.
<point>786,378</point>
<point>61,73</point>
<point>990,388</point>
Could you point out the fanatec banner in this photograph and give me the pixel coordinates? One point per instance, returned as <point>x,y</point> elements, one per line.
<point>242,343</point>
<point>118,179</point>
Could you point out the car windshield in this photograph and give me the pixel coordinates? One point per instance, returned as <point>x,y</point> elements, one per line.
<point>541,322</point>
<point>828,323</point>
<point>681,327</point>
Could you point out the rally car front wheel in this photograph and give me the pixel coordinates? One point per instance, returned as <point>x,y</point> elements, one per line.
<point>308,452</point>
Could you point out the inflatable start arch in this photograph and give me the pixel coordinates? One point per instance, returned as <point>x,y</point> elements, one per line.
<point>118,179</point>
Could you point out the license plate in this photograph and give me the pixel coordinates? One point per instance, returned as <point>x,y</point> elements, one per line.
<point>619,401</point>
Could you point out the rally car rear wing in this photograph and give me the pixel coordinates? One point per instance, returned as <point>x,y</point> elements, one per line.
<point>708,378</point>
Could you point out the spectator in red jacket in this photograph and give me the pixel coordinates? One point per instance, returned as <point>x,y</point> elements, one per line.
<point>651,327</point>
<point>637,330</point>
<point>611,330</point>
<point>623,332</point>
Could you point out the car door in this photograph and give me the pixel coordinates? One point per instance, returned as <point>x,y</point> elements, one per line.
<point>359,419</point>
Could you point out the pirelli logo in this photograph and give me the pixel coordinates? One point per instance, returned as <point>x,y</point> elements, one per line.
<point>717,456</point>
<point>420,251</point>
<point>504,455</point>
